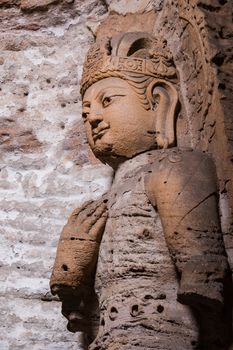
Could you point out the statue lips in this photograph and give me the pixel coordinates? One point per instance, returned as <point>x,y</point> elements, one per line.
<point>97,134</point>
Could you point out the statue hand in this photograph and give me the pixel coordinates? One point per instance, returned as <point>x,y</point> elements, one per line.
<point>87,222</point>
<point>77,253</point>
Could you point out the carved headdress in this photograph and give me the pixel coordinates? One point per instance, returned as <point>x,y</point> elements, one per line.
<point>127,54</point>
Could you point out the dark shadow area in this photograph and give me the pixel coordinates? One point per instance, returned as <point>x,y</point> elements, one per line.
<point>82,315</point>
<point>215,323</point>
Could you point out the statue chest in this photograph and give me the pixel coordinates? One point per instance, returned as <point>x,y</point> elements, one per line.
<point>135,279</point>
<point>133,243</point>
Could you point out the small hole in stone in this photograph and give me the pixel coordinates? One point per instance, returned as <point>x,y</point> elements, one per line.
<point>134,310</point>
<point>222,2</point>
<point>176,233</point>
<point>5,134</point>
<point>102,322</point>
<point>218,59</point>
<point>25,93</point>
<point>162,296</point>
<point>63,104</point>
<point>165,182</point>
<point>146,233</point>
<point>48,81</point>
<point>113,310</point>
<point>113,313</point>
<point>193,342</point>
<point>148,296</point>
<point>105,201</point>
<point>65,267</point>
<point>160,308</point>
<point>72,238</point>
<point>222,86</point>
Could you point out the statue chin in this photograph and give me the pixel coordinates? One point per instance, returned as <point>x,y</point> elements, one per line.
<point>115,153</point>
<point>108,156</point>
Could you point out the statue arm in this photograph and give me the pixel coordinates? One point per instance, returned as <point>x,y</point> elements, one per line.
<point>183,188</point>
<point>74,268</point>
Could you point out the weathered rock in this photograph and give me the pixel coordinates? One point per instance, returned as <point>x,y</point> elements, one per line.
<point>15,138</point>
<point>114,23</point>
<point>9,2</point>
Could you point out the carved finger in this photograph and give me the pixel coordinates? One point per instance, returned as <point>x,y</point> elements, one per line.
<point>75,214</point>
<point>100,211</point>
<point>97,229</point>
<point>87,211</point>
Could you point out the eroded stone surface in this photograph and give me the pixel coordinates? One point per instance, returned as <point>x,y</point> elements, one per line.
<point>41,186</point>
<point>27,5</point>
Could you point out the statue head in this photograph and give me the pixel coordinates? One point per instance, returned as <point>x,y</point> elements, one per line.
<point>129,96</point>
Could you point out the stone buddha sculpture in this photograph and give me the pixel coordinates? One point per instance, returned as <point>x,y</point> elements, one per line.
<point>144,266</point>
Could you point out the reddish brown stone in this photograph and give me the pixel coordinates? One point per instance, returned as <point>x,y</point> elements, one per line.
<point>9,3</point>
<point>16,138</point>
<point>31,5</point>
<point>115,23</point>
<point>73,143</point>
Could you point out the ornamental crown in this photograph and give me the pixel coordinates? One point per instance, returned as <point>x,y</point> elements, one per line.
<point>135,52</point>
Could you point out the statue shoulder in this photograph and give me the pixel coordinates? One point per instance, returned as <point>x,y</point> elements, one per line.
<point>175,169</point>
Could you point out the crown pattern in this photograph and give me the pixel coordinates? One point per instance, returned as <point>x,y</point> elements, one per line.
<point>100,62</point>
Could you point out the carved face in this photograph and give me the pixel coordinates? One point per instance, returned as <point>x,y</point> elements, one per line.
<point>117,124</point>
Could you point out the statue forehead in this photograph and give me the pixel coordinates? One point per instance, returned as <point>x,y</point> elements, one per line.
<point>105,84</point>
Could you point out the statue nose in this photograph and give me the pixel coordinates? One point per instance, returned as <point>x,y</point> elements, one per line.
<point>95,119</point>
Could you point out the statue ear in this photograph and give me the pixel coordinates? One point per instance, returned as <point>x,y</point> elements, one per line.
<point>163,98</point>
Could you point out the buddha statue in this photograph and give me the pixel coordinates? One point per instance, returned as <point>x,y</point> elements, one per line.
<point>143,267</point>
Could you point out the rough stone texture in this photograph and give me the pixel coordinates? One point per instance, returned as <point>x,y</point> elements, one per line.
<point>43,178</point>
<point>142,312</point>
<point>205,86</point>
<point>220,34</point>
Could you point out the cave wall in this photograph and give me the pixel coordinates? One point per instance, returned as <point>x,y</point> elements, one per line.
<point>46,167</point>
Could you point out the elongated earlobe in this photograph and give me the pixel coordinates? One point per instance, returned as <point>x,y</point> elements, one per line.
<point>164,99</point>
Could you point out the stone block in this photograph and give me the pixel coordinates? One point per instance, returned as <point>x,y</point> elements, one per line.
<point>30,5</point>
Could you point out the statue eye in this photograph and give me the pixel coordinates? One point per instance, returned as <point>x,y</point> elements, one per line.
<point>106,101</point>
